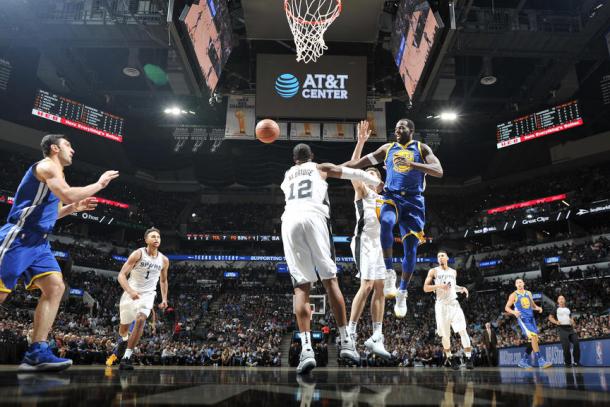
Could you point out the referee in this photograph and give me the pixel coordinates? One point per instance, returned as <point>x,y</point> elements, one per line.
<point>565,325</point>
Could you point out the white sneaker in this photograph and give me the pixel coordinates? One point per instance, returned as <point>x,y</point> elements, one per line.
<point>375,345</point>
<point>389,285</point>
<point>400,308</point>
<point>347,350</point>
<point>307,361</point>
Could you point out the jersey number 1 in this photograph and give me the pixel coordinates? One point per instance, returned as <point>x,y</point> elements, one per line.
<point>147,274</point>
<point>304,190</point>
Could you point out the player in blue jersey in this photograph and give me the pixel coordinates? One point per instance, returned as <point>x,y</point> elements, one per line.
<point>407,163</point>
<point>24,249</point>
<point>524,307</point>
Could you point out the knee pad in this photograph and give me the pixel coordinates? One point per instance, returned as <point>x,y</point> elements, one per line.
<point>465,339</point>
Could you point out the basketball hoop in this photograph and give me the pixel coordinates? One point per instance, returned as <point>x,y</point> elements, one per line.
<point>309,20</point>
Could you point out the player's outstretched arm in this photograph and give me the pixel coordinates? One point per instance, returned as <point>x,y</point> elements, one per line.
<point>336,171</point>
<point>51,174</point>
<point>509,306</point>
<point>87,204</point>
<point>428,286</point>
<point>163,283</point>
<point>131,262</point>
<point>363,135</point>
<point>374,158</point>
<point>432,166</point>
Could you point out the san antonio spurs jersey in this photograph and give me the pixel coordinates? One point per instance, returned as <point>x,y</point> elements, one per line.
<point>145,275</point>
<point>305,191</point>
<point>367,222</point>
<point>445,277</point>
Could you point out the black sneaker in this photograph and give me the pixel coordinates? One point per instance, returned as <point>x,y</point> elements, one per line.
<point>121,348</point>
<point>126,364</point>
<point>455,363</point>
<point>469,364</point>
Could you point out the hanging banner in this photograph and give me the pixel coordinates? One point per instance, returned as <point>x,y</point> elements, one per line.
<point>375,114</point>
<point>338,132</point>
<point>283,131</point>
<point>305,131</point>
<point>241,118</point>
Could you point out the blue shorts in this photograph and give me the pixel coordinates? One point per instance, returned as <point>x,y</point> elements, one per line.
<point>24,253</point>
<point>528,326</point>
<point>410,213</point>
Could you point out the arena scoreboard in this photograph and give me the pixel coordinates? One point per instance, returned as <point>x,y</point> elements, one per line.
<point>74,114</point>
<point>543,123</point>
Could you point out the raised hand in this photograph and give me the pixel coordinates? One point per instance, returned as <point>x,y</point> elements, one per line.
<point>87,204</point>
<point>107,177</point>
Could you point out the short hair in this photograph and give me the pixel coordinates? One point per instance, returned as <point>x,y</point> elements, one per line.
<point>409,122</point>
<point>150,230</point>
<point>375,170</point>
<point>50,140</point>
<point>302,152</point>
<point>442,251</point>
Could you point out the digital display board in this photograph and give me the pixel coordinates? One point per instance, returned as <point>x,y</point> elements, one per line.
<point>540,124</point>
<point>334,87</point>
<point>231,274</point>
<point>74,114</point>
<point>526,204</point>
<point>416,30</point>
<point>209,31</point>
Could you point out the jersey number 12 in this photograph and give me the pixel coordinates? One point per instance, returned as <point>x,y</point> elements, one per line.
<point>303,191</point>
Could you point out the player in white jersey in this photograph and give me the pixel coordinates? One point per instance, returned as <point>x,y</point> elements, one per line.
<point>448,312</point>
<point>308,246</point>
<point>368,255</point>
<point>145,267</point>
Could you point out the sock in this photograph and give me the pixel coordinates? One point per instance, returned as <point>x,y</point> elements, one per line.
<point>468,354</point>
<point>403,285</point>
<point>388,263</point>
<point>343,333</point>
<point>306,340</point>
<point>377,328</point>
<point>127,354</point>
<point>448,354</point>
<point>352,327</point>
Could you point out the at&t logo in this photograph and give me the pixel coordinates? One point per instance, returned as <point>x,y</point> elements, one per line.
<point>287,85</point>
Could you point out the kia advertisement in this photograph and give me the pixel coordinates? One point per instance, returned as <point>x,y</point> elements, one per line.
<point>332,88</point>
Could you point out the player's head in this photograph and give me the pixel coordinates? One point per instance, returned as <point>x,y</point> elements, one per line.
<point>561,301</point>
<point>520,284</point>
<point>152,237</point>
<point>377,174</point>
<point>301,153</point>
<point>404,130</point>
<point>442,257</point>
<point>57,145</point>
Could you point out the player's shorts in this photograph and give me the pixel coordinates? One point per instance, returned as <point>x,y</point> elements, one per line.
<point>308,247</point>
<point>449,315</point>
<point>528,326</point>
<point>410,213</point>
<point>24,253</point>
<point>129,309</point>
<point>368,257</point>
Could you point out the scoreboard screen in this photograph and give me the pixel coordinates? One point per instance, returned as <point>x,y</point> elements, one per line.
<point>543,123</point>
<point>77,115</point>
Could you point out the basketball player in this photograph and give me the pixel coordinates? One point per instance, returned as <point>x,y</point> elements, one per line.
<point>366,249</point>
<point>24,248</point>
<point>448,312</point>
<point>121,345</point>
<point>524,305</point>
<point>308,247</point>
<point>144,267</point>
<point>407,163</point>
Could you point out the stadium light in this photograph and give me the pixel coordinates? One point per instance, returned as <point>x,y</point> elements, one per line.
<point>174,110</point>
<point>448,116</point>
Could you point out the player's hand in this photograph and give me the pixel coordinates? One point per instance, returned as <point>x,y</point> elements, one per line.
<point>163,305</point>
<point>539,309</point>
<point>134,295</point>
<point>107,177</point>
<point>516,313</point>
<point>87,204</point>
<point>465,291</point>
<point>443,286</point>
<point>363,131</point>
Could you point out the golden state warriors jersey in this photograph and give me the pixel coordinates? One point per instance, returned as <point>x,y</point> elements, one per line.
<point>523,303</point>
<point>400,177</point>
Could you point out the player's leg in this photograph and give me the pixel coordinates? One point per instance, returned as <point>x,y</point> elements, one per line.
<point>358,303</point>
<point>539,360</point>
<point>409,260</point>
<point>388,216</point>
<point>443,329</point>
<point>375,342</point>
<point>458,323</point>
<point>143,308</point>
<point>121,343</point>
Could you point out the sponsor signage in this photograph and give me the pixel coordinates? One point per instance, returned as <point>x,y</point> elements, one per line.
<point>594,209</point>
<point>539,219</point>
<point>60,254</point>
<point>77,292</point>
<point>552,260</point>
<point>526,204</point>
<point>490,263</point>
<point>231,274</point>
<point>593,352</point>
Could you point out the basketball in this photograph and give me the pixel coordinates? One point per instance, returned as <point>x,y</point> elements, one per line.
<point>267,131</point>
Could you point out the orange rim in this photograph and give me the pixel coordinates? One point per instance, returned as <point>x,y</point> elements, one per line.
<point>305,22</point>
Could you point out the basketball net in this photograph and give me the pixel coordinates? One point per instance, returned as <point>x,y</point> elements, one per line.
<point>309,20</point>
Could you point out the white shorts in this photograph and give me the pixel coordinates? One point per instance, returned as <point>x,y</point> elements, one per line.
<point>449,315</point>
<point>368,256</point>
<point>308,248</point>
<point>129,309</point>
